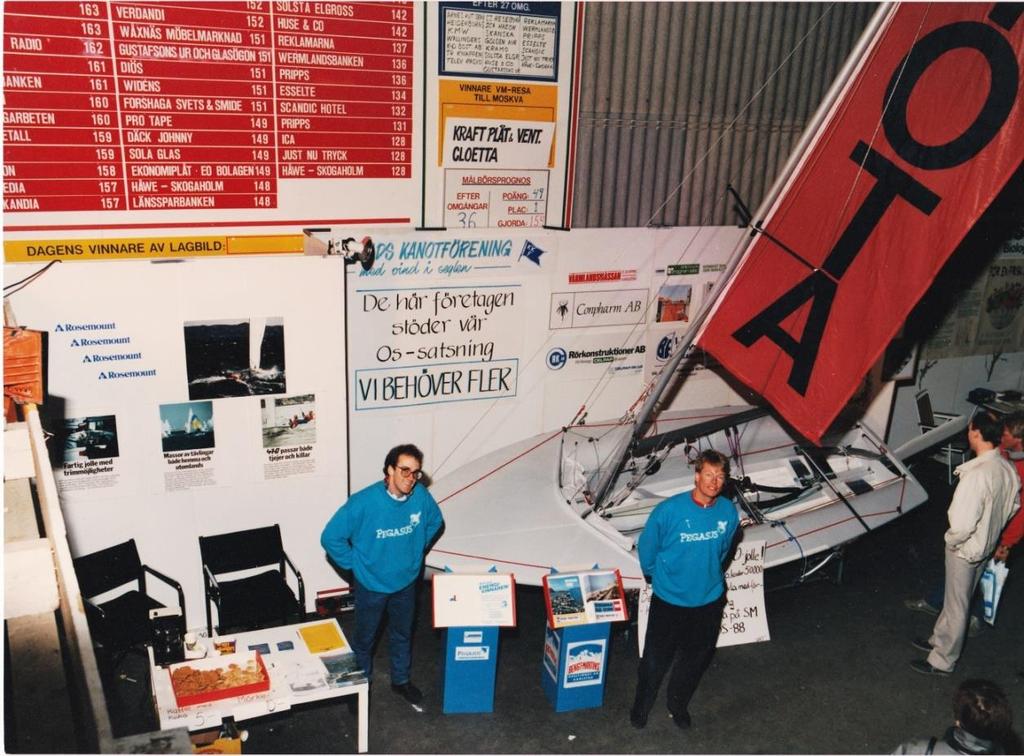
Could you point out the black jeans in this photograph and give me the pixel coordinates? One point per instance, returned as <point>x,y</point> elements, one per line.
<point>692,632</point>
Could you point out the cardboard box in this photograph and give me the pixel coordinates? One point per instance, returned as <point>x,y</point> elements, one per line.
<point>222,663</point>
<point>211,742</point>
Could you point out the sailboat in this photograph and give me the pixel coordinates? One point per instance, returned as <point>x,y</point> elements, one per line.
<point>579,496</point>
<point>531,507</point>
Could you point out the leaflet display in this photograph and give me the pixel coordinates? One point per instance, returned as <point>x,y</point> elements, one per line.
<point>582,598</point>
<point>474,600</point>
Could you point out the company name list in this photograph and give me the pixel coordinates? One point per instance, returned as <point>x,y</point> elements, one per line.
<point>146,106</point>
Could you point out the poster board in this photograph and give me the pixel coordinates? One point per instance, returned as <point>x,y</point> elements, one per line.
<point>487,600</point>
<point>250,114</point>
<point>988,314</point>
<point>552,319</point>
<point>500,110</point>
<point>157,436</point>
<point>265,115</point>
<point>584,598</point>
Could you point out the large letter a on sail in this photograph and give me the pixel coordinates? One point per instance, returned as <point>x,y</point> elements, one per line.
<point>820,290</point>
<point>921,138</point>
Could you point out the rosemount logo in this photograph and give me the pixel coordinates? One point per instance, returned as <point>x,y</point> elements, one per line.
<point>557,358</point>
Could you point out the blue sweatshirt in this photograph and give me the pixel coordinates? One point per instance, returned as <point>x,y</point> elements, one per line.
<point>380,539</point>
<point>683,546</point>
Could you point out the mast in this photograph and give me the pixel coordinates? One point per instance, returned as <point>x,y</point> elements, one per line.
<point>617,460</point>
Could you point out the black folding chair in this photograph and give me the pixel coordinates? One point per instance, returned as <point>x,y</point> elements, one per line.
<point>252,601</point>
<point>120,623</point>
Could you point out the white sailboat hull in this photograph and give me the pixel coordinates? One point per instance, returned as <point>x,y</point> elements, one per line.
<point>507,509</point>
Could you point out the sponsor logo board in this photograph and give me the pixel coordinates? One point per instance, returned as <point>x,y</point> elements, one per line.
<point>602,276</point>
<point>584,663</point>
<point>607,307</point>
<point>618,357</point>
<point>472,653</point>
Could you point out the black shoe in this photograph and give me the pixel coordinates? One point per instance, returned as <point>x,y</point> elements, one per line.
<point>637,718</point>
<point>927,669</point>
<point>408,691</point>
<point>921,644</point>
<point>682,720</point>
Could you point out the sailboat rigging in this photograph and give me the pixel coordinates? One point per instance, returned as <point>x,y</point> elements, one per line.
<point>538,504</point>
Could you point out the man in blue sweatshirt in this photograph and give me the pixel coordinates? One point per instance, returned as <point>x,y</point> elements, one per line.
<point>382,534</point>
<point>684,549</point>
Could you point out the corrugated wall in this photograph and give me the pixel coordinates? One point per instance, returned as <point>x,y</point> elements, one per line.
<point>679,99</point>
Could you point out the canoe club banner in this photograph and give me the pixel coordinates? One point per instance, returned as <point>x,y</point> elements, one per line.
<point>920,142</point>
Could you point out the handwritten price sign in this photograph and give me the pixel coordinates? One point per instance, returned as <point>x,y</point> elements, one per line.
<point>744,619</point>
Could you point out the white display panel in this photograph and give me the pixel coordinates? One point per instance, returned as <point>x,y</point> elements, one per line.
<point>147,351</point>
<point>474,600</point>
<point>457,344</point>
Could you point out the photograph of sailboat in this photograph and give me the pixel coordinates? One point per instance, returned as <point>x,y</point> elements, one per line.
<point>289,420</point>
<point>188,425</point>
<point>235,357</point>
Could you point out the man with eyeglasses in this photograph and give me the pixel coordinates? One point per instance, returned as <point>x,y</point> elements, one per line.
<point>381,534</point>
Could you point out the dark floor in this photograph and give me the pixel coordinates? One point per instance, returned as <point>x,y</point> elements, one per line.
<point>833,679</point>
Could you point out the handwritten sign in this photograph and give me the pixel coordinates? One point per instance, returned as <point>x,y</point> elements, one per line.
<point>493,143</point>
<point>501,39</point>
<point>436,344</point>
<point>495,198</point>
<point>744,619</point>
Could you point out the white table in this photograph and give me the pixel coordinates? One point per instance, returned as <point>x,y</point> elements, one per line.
<point>285,668</point>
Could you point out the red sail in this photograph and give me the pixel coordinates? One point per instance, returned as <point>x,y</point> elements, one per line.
<point>928,131</point>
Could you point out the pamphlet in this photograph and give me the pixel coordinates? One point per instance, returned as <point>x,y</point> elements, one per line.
<point>486,600</point>
<point>322,637</point>
<point>582,598</point>
<point>342,669</point>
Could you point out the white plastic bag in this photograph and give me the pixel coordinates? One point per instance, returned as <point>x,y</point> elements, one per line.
<point>992,581</point>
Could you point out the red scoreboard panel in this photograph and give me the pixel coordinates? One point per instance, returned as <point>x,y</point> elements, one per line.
<point>176,105</point>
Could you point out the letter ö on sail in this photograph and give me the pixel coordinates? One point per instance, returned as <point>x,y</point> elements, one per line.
<point>892,182</point>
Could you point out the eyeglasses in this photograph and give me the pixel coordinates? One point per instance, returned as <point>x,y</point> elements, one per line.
<point>408,472</point>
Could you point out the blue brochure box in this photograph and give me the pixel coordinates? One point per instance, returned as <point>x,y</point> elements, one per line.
<point>470,666</point>
<point>575,665</point>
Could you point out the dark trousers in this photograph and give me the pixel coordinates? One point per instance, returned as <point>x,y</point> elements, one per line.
<point>690,632</point>
<point>401,609</point>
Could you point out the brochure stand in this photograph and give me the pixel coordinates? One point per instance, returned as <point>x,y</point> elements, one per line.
<point>575,661</point>
<point>581,608</point>
<point>472,608</point>
<point>470,669</point>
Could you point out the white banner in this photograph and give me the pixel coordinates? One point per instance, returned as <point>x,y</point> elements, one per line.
<point>469,322</point>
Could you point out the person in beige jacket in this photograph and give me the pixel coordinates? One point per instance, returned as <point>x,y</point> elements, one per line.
<point>985,498</point>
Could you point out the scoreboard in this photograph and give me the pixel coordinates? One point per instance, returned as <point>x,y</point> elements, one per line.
<point>113,106</point>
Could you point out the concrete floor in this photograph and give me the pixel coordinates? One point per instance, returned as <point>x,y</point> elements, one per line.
<point>833,679</point>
